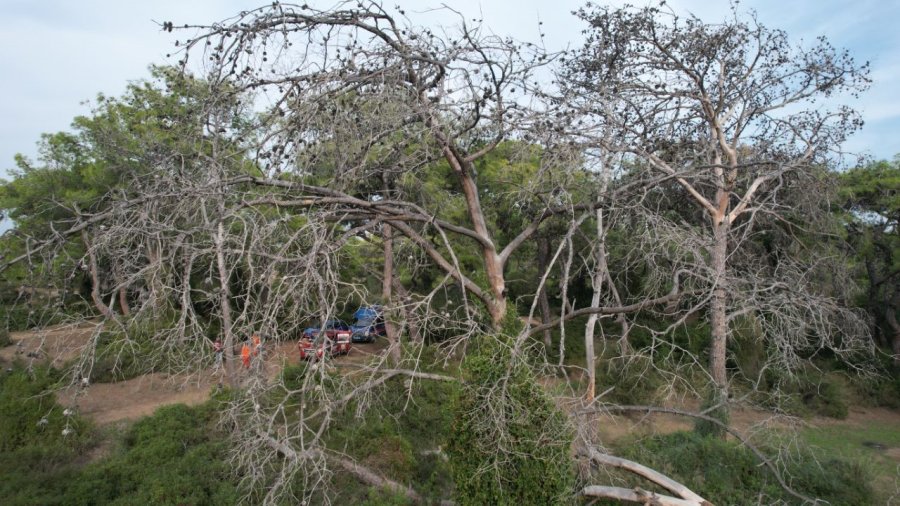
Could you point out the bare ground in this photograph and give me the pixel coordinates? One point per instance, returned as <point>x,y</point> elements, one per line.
<point>115,403</point>
<point>57,344</point>
<point>107,403</point>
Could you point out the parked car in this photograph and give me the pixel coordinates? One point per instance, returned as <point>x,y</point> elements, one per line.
<point>324,345</point>
<point>332,339</point>
<point>369,324</point>
<point>332,327</point>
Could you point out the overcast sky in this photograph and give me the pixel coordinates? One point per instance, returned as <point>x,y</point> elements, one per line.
<point>57,54</point>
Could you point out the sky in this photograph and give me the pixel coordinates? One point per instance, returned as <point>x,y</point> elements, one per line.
<point>56,55</point>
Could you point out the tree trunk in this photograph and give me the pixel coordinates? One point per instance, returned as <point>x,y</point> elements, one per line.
<point>718,308</point>
<point>152,278</point>
<point>890,313</point>
<point>225,305</point>
<point>123,293</point>
<point>95,278</point>
<point>874,307</point>
<point>564,289</point>
<point>386,296</point>
<point>597,284</point>
<point>493,265</point>
<point>543,258</point>
<point>414,334</point>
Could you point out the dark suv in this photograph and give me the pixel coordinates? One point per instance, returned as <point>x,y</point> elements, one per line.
<point>369,324</point>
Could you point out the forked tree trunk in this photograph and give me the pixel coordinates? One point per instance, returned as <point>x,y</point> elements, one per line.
<point>409,318</point>
<point>95,278</point>
<point>597,284</point>
<point>564,289</point>
<point>890,312</point>
<point>493,265</point>
<point>123,293</point>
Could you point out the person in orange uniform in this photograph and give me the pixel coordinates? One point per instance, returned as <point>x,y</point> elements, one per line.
<point>257,345</point>
<point>245,354</point>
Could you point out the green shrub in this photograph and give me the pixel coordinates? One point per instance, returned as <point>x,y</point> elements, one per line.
<point>634,380</point>
<point>709,428</point>
<point>826,397</point>
<point>837,481</point>
<point>5,339</point>
<point>174,457</point>
<point>30,416</point>
<point>508,444</point>
<point>292,375</point>
<point>398,437</point>
<point>37,459</point>
<point>136,351</point>
<point>881,390</point>
<point>724,472</point>
<point>748,346</point>
<point>811,392</point>
<point>381,497</point>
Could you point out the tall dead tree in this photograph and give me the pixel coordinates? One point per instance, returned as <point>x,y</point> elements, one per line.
<point>353,93</point>
<point>261,217</point>
<point>732,113</point>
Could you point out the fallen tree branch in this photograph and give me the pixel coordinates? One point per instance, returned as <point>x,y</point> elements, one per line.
<point>372,478</point>
<point>637,495</point>
<point>362,473</point>
<point>650,474</point>
<point>673,411</point>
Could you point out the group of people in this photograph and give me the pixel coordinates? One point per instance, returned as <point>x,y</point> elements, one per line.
<point>251,348</point>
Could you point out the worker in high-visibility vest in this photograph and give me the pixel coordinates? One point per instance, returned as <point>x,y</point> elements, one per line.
<point>245,354</point>
<point>257,345</point>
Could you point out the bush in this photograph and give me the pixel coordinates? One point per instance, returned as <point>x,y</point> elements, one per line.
<point>173,457</point>
<point>882,390</point>
<point>36,458</point>
<point>810,393</point>
<point>720,413</point>
<point>724,472</point>
<point>508,444</point>
<point>30,416</point>
<point>5,339</point>
<point>634,380</point>
<point>129,354</point>
<point>399,439</point>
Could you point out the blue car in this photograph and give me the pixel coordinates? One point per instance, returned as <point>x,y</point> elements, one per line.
<point>369,324</point>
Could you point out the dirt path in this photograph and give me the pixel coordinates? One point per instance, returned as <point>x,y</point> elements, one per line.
<point>56,344</point>
<point>107,403</point>
<point>135,398</point>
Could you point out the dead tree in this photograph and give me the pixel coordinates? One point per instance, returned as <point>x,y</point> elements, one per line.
<point>255,225</point>
<point>732,114</point>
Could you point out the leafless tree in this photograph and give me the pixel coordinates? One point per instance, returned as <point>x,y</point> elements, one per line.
<point>356,108</point>
<point>732,114</point>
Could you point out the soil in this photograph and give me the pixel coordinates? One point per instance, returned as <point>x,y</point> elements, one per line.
<point>112,404</point>
<point>57,344</point>
<point>128,400</point>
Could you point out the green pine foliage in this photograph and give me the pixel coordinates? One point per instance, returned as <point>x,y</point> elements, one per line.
<point>174,457</point>
<point>724,472</point>
<point>508,444</point>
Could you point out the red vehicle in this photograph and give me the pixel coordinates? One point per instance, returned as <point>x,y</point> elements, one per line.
<point>334,340</point>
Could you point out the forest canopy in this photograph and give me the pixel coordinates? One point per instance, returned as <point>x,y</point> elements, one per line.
<point>657,214</point>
